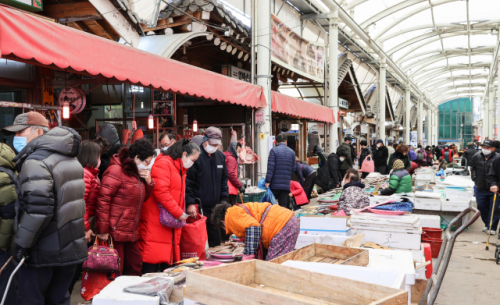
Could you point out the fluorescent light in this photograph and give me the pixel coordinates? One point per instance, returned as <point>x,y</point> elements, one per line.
<point>322,5</point>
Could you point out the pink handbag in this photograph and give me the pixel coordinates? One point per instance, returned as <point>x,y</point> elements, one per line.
<point>368,165</point>
<point>102,259</point>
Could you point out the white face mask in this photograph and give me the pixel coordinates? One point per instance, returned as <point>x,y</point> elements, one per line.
<point>141,167</point>
<point>188,163</point>
<point>486,151</point>
<point>343,183</point>
<point>379,145</point>
<point>210,149</point>
<point>341,159</point>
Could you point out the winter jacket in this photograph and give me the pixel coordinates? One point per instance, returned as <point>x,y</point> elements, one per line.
<point>364,153</point>
<point>400,156</point>
<point>480,168</point>
<point>237,220</point>
<point>92,187</point>
<point>401,181</point>
<point>447,154</point>
<point>322,156</point>
<point>493,176</point>
<point>390,151</point>
<point>412,154</point>
<point>298,193</point>
<point>437,152</point>
<point>353,197</point>
<point>468,154</point>
<point>233,183</point>
<point>347,163</point>
<point>429,156</point>
<point>380,156</point>
<point>8,195</point>
<point>329,176</point>
<point>50,205</point>
<point>120,199</point>
<point>207,180</point>
<point>303,171</point>
<point>160,244</point>
<point>109,133</point>
<point>280,167</point>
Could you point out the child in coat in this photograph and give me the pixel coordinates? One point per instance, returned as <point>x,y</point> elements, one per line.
<point>298,192</point>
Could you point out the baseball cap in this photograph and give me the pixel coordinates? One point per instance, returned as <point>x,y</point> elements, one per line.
<point>26,120</point>
<point>348,138</point>
<point>489,143</point>
<point>214,135</point>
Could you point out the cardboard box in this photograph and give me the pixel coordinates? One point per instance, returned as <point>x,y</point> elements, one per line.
<point>325,225</point>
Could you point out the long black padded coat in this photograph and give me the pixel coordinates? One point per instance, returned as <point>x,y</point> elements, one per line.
<point>50,209</point>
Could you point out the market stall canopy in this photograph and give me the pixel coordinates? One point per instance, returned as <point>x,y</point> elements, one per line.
<point>292,106</point>
<point>32,40</point>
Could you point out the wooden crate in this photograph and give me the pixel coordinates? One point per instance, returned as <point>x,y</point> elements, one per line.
<point>321,253</point>
<point>258,282</point>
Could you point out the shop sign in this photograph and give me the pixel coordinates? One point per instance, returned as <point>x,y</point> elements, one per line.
<point>343,103</point>
<point>259,116</point>
<point>29,5</point>
<point>364,128</point>
<point>295,127</point>
<point>321,126</point>
<point>294,53</point>
<point>75,97</point>
<point>185,120</point>
<point>235,72</point>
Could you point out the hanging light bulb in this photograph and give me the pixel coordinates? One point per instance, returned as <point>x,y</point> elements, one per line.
<point>195,126</point>
<point>65,113</point>
<point>151,122</point>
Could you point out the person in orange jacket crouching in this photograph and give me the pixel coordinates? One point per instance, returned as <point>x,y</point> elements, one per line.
<point>274,226</point>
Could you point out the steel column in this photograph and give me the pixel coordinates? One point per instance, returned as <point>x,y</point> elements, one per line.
<point>381,115</point>
<point>407,128</point>
<point>491,108</point>
<point>333,101</point>
<point>420,121</point>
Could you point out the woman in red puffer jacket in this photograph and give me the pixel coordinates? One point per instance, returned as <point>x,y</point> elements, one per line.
<point>298,192</point>
<point>160,245</point>
<point>233,171</point>
<point>126,185</point>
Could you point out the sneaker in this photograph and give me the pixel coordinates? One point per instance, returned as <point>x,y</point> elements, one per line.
<point>491,232</point>
<point>485,230</point>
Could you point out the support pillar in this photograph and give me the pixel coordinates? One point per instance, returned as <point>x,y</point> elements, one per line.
<point>262,26</point>
<point>428,126</point>
<point>420,121</point>
<point>490,111</point>
<point>407,128</point>
<point>430,116</point>
<point>333,101</point>
<point>436,126</point>
<point>381,115</point>
<point>497,109</point>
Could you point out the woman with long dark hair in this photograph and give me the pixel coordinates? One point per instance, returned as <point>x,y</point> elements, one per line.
<point>159,244</point>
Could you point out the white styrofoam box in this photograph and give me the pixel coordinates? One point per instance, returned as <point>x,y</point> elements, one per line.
<point>113,294</point>
<point>325,225</point>
<point>307,239</point>
<point>454,193</point>
<point>429,221</point>
<point>418,254</point>
<point>420,273</point>
<point>393,223</point>
<point>455,205</point>
<point>387,278</point>
<point>407,241</point>
<point>433,204</point>
<point>421,182</point>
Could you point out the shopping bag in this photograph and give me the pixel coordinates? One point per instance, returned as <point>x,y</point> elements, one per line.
<point>262,184</point>
<point>268,197</point>
<point>194,237</point>
<point>93,283</point>
<point>368,165</point>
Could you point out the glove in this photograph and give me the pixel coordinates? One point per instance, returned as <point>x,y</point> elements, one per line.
<point>247,257</point>
<point>18,253</point>
<point>242,189</point>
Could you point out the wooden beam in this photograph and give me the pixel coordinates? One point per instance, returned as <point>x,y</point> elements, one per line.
<point>178,21</point>
<point>97,29</point>
<point>66,10</point>
<point>227,40</point>
<point>117,21</point>
<point>109,29</point>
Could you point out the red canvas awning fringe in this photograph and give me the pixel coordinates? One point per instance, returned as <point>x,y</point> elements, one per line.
<point>34,40</point>
<point>293,106</point>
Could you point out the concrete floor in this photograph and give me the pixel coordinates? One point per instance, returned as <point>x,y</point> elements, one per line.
<point>472,276</point>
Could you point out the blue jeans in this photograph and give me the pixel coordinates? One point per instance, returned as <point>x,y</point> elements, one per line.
<point>484,201</point>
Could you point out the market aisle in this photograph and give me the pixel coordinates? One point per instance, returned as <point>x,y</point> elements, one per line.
<point>76,298</point>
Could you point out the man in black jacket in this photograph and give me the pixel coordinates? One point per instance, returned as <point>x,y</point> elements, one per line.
<point>380,157</point>
<point>469,153</point>
<point>207,180</point>
<point>329,176</point>
<point>481,165</point>
<point>50,233</point>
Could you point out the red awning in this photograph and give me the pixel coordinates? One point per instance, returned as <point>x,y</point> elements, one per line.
<point>33,40</point>
<point>293,106</point>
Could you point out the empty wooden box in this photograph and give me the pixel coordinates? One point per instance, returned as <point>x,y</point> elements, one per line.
<point>258,282</point>
<point>321,253</point>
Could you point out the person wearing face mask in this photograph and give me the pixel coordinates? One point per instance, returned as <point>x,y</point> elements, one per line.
<point>207,180</point>
<point>125,186</point>
<point>468,154</point>
<point>49,226</point>
<point>353,195</point>
<point>166,141</point>
<point>401,154</point>
<point>347,162</point>
<point>447,154</point>
<point>233,171</point>
<point>90,158</point>
<point>380,157</point>
<point>391,148</point>
<point>160,245</point>
<point>400,180</point>
<point>483,172</point>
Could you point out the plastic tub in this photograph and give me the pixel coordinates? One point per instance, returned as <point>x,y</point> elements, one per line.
<point>431,233</point>
<point>435,245</point>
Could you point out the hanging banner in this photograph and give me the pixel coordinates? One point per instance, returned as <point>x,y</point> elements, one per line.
<point>294,53</point>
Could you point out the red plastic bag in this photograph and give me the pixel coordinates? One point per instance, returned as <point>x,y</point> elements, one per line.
<point>194,238</point>
<point>368,165</point>
<point>93,283</point>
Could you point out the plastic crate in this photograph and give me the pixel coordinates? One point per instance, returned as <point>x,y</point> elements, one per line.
<point>253,197</point>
